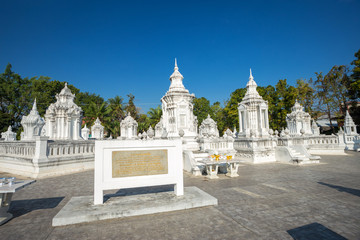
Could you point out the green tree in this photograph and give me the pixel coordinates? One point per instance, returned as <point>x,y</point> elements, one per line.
<point>15,99</point>
<point>355,84</point>
<point>305,95</point>
<point>354,91</point>
<point>116,113</point>
<point>201,109</point>
<point>231,115</point>
<point>131,108</point>
<point>84,100</point>
<point>97,111</point>
<point>217,113</point>
<point>325,102</point>
<point>333,92</point>
<point>154,115</point>
<point>286,96</point>
<point>143,123</point>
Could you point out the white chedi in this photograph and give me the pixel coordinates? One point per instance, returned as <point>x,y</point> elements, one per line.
<point>298,121</point>
<point>208,128</point>
<point>253,113</point>
<point>97,130</point>
<point>177,108</point>
<point>63,118</point>
<point>9,135</point>
<point>159,128</point>
<point>150,132</point>
<point>32,124</point>
<point>349,125</point>
<point>85,133</point>
<point>315,129</point>
<point>128,127</point>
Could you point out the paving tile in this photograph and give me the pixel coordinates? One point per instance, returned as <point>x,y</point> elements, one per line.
<point>264,202</point>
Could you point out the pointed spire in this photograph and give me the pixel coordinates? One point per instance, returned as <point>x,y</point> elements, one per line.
<point>34,106</point>
<point>66,84</point>
<point>176,66</point>
<point>251,80</point>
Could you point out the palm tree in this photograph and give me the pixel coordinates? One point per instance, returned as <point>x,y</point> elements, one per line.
<point>116,114</point>
<point>116,108</point>
<point>155,115</point>
<point>97,111</point>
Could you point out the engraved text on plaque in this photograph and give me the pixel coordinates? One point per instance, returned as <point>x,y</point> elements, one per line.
<point>139,163</point>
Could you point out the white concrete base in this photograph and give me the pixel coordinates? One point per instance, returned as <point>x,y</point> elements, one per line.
<point>82,209</point>
<point>327,151</point>
<point>26,168</point>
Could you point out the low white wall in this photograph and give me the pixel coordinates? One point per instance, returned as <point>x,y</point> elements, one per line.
<point>43,157</point>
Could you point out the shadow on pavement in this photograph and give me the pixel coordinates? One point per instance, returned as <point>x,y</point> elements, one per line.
<point>314,231</point>
<point>139,190</point>
<point>352,191</point>
<point>21,207</point>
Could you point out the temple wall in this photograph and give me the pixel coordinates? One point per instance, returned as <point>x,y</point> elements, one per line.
<point>44,158</point>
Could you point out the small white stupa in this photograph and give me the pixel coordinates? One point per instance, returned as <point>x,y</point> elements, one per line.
<point>97,130</point>
<point>253,113</point>
<point>32,124</point>
<point>299,121</point>
<point>349,125</point>
<point>63,118</point>
<point>177,108</point>
<point>128,127</point>
<point>9,135</point>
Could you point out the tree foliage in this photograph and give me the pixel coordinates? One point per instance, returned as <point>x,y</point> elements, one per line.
<point>154,115</point>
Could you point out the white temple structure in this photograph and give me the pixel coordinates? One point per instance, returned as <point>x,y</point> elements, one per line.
<point>63,118</point>
<point>9,135</point>
<point>159,129</point>
<point>32,124</point>
<point>97,130</point>
<point>85,133</point>
<point>254,143</point>
<point>128,127</point>
<point>349,125</point>
<point>177,110</point>
<point>253,113</point>
<point>298,121</point>
<point>351,137</point>
<point>315,129</point>
<point>208,128</point>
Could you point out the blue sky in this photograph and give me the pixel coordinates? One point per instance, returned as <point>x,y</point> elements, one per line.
<point>119,47</point>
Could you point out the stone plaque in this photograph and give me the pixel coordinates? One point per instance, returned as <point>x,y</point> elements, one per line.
<point>139,163</point>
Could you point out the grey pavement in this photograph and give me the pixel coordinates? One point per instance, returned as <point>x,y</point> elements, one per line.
<point>267,201</point>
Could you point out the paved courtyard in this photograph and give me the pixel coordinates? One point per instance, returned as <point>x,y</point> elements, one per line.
<point>267,201</point>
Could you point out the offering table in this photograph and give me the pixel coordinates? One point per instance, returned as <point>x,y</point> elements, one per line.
<point>6,192</point>
<point>212,167</point>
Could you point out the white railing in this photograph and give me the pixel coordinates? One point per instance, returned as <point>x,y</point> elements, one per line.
<point>73,148</point>
<point>17,149</point>
<point>54,149</point>
<point>216,144</point>
<point>247,143</point>
<point>323,140</point>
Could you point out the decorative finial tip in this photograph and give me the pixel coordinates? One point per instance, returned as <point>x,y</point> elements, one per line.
<point>176,66</point>
<point>34,105</point>
<point>251,76</point>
